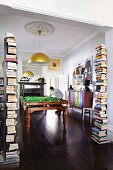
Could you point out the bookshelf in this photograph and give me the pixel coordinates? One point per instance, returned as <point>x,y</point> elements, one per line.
<point>78,77</point>
<point>99,131</point>
<point>10,115</point>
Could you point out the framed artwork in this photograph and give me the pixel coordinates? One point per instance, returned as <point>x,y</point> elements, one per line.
<point>54,65</point>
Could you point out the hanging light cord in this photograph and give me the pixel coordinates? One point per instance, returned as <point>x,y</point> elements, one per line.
<point>39,35</point>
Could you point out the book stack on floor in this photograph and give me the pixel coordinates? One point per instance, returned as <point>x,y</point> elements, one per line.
<point>12,149</point>
<point>99,131</point>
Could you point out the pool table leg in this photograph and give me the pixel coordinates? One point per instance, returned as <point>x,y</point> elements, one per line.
<point>64,116</point>
<point>28,118</point>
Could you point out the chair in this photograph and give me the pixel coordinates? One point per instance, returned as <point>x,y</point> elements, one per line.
<point>90,113</point>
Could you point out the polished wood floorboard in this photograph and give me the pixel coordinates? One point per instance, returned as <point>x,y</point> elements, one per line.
<point>49,147</point>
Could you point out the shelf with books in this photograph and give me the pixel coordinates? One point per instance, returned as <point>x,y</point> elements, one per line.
<point>99,131</point>
<point>12,148</point>
<point>10,119</point>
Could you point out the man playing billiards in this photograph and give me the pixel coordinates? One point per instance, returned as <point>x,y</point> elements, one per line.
<point>57,94</point>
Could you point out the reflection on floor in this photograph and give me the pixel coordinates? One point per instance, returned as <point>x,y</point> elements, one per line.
<point>49,147</point>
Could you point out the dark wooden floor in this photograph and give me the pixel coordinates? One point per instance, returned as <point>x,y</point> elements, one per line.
<point>49,147</point>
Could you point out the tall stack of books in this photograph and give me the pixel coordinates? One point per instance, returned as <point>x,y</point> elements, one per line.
<point>99,131</point>
<point>12,149</point>
<point>1,117</point>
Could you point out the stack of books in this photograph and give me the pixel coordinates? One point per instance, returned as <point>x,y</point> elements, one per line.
<point>11,44</point>
<point>10,89</point>
<point>99,131</point>
<point>11,73</point>
<point>12,81</point>
<point>11,58</point>
<point>11,99</point>
<point>12,65</point>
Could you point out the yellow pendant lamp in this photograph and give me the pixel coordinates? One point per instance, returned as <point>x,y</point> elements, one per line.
<point>38,58</point>
<point>28,74</point>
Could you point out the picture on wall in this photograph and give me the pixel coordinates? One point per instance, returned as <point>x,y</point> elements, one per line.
<point>54,65</point>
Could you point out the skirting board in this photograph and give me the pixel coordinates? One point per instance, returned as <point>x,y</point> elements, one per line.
<point>110,132</point>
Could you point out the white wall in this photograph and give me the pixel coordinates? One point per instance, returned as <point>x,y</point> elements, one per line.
<point>90,11</point>
<point>80,54</point>
<point>109,43</point>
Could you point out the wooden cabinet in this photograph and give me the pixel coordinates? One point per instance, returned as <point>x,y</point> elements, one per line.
<point>80,99</point>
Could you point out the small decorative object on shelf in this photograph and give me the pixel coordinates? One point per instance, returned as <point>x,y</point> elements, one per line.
<point>99,131</point>
<point>25,79</point>
<point>10,116</point>
<point>70,87</point>
<point>40,80</point>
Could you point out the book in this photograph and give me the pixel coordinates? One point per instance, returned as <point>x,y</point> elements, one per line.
<point>99,142</point>
<point>101,95</point>
<point>11,59</point>
<point>10,122</point>
<point>98,135</point>
<point>8,34</point>
<point>100,56</point>
<point>11,56</point>
<point>11,129</point>
<point>12,81</point>
<point>13,146</point>
<point>11,43</point>
<point>98,131</point>
<point>101,120</point>
<point>101,46</point>
<point>12,116</point>
<point>12,98</point>
<point>100,125</point>
<point>100,101</point>
<point>9,112</point>
<point>9,138</point>
<point>11,106</point>
<point>100,107</point>
<point>11,50</point>
<point>10,89</point>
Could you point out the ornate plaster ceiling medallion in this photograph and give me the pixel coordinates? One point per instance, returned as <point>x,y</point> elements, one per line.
<point>39,28</point>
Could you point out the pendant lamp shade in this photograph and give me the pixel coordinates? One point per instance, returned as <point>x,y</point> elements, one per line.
<point>38,58</point>
<point>28,74</point>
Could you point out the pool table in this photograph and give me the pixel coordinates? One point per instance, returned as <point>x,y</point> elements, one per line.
<point>38,103</point>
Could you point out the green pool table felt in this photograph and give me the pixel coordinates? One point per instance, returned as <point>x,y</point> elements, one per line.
<point>40,99</point>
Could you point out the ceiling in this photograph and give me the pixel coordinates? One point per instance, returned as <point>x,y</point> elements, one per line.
<point>68,35</point>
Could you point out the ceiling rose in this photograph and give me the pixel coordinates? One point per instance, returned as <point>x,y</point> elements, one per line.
<point>38,28</point>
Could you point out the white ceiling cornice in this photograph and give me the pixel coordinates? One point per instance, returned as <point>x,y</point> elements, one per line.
<point>83,40</point>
